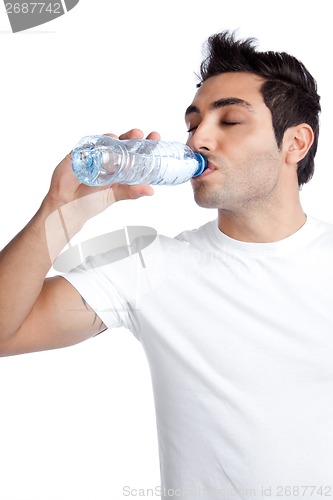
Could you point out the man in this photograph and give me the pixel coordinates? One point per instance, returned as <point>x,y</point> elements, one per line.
<point>234,317</point>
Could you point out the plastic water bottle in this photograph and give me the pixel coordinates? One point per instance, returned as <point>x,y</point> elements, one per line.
<point>99,160</point>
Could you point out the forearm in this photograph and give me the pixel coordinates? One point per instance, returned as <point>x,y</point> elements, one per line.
<point>26,260</point>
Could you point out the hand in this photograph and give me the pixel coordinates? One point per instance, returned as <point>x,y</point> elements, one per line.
<point>124,191</point>
<point>88,201</point>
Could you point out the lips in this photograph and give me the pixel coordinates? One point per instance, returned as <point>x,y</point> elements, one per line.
<point>210,168</point>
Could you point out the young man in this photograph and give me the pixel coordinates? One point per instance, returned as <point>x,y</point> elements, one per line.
<point>234,317</point>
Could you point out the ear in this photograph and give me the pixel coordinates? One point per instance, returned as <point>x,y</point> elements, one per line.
<point>298,140</point>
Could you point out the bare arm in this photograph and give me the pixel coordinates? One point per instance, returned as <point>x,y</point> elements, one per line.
<point>38,313</point>
<point>60,317</point>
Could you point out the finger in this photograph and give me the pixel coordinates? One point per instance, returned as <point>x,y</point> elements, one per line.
<point>126,192</point>
<point>112,135</point>
<point>153,136</point>
<point>134,133</point>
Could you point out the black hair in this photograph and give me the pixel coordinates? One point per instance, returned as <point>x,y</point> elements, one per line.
<point>289,90</point>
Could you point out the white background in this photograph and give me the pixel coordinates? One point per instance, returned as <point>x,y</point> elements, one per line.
<point>78,423</point>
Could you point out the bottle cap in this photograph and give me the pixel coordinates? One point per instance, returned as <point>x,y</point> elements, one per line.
<point>202,164</point>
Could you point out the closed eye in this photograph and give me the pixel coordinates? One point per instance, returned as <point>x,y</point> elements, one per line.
<point>191,129</point>
<point>230,123</point>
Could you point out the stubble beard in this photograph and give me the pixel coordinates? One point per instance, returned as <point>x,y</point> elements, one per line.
<point>253,192</point>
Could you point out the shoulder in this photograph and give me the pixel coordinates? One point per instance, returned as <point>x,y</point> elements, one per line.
<point>320,235</point>
<point>319,227</point>
<point>198,236</point>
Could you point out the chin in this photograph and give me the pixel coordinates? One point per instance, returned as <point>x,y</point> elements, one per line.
<point>207,200</point>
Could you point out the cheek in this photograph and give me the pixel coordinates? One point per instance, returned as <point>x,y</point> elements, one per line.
<point>259,149</point>
<point>256,168</point>
<point>264,170</point>
<point>261,142</point>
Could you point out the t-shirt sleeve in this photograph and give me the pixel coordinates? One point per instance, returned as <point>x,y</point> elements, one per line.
<point>97,289</point>
<point>113,284</point>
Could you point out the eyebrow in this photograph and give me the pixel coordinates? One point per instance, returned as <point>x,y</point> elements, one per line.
<point>221,103</point>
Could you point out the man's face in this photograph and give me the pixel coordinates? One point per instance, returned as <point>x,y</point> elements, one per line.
<point>231,126</point>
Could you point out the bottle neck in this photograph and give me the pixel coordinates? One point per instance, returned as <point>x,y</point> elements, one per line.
<point>202,164</point>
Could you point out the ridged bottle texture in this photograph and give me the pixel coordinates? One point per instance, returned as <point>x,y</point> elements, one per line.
<point>100,160</point>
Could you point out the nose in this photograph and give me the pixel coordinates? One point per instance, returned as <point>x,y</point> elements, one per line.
<point>202,139</point>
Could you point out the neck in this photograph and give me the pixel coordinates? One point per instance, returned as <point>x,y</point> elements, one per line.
<point>262,226</point>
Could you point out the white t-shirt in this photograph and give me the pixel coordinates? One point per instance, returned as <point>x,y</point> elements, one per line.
<point>239,340</point>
